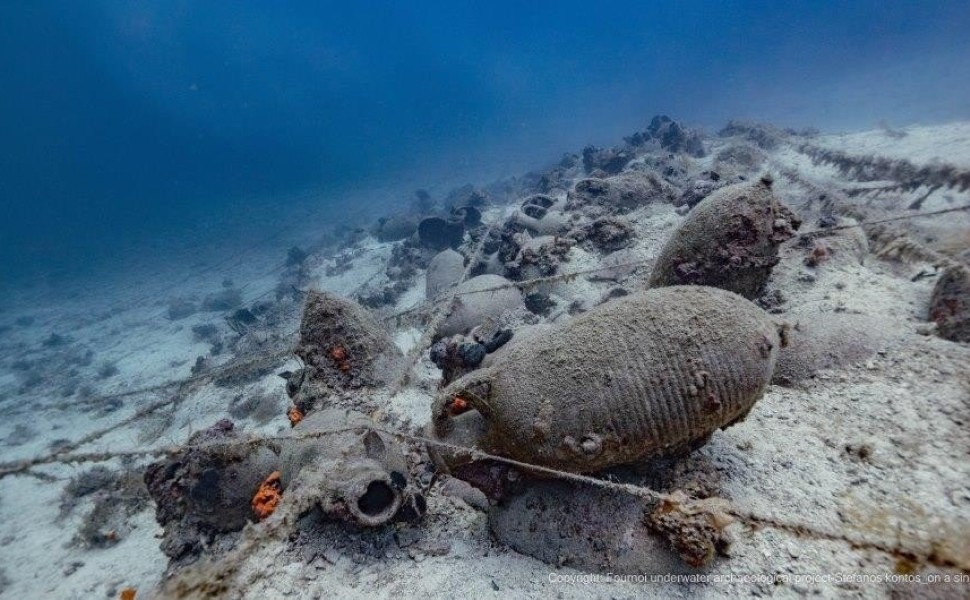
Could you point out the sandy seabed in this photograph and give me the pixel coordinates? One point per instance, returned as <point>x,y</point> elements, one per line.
<point>874,449</point>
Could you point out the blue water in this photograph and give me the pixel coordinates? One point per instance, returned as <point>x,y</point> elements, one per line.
<point>124,125</point>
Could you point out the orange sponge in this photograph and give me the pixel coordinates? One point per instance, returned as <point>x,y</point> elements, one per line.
<point>295,415</point>
<point>268,496</point>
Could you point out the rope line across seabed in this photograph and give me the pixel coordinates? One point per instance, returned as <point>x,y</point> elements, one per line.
<point>441,311</point>
<point>220,371</point>
<point>751,518</point>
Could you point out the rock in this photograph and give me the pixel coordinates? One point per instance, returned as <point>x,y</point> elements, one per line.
<point>467,195</point>
<point>472,496</point>
<point>582,527</point>
<point>437,233</point>
<point>558,178</point>
<point>700,189</point>
<point>407,259</point>
<point>766,137</point>
<point>740,158</point>
<point>730,240</point>
<point>224,300</point>
<point>606,234</point>
<point>180,308</point>
<point>694,528</point>
<point>536,205</point>
<point>619,194</point>
<point>538,257</point>
<point>470,216</point>
<point>472,353</point>
<point>394,228</point>
<point>456,356</point>
<point>673,137</point>
<point>611,161</point>
<point>492,337</point>
<point>950,304</point>
<point>445,271</point>
<point>522,336</point>
<point>381,295</point>
<point>539,304</point>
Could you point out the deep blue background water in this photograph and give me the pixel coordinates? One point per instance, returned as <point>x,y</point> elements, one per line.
<point>123,122</point>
